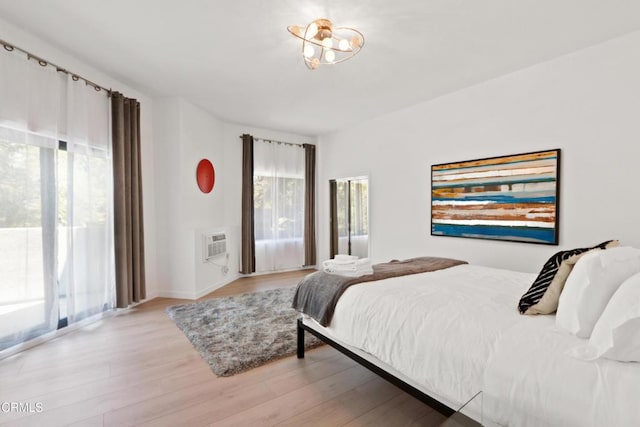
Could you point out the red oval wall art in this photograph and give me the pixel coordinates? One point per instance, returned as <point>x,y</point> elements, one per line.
<point>205,176</point>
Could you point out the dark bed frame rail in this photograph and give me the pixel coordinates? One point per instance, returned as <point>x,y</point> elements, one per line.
<point>425,398</point>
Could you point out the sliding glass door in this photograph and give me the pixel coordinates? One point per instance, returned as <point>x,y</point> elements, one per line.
<point>55,235</point>
<point>85,234</point>
<point>56,199</point>
<point>28,301</point>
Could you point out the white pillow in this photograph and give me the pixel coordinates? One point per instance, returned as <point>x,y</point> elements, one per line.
<point>593,281</point>
<point>617,333</point>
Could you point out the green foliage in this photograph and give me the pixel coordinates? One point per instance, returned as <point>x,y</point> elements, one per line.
<point>278,206</point>
<point>84,176</point>
<point>358,201</point>
<point>19,185</point>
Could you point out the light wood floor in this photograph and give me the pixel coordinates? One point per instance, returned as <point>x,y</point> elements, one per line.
<point>138,368</point>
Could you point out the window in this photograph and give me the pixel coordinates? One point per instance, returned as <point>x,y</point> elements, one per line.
<point>350,226</point>
<point>56,221</point>
<point>279,215</point>
<point>278,200</point>
<point>24,300</point>
<point>54,217</point>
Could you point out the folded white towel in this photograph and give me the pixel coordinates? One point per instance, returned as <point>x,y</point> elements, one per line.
<point>357,262</point>
<point>342,262</point>
<point>345,259</point>
<point>339,267</point>
<point>364,264</point>
<point>340,257</point>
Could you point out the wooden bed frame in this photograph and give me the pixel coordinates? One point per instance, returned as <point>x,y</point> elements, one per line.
<point>425,398</point>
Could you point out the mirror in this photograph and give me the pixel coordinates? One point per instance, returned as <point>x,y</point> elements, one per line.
<point>349,213</point>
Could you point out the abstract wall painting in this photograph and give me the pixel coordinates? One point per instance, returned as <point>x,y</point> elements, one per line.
<point>512,198</point>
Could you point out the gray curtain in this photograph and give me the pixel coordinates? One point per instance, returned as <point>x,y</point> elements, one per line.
<point>333,218</point>
<point>248,242</point>
<point>309,204</point>
<point>127,190</point>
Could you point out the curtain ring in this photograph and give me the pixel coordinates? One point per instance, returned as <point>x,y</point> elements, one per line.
<point>42,63</point>
<point>97,88</point>
<point>75,78</point>
<point>8,47</point>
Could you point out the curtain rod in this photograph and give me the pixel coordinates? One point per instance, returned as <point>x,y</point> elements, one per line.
<point>43,63</point>
<point>279,142</point>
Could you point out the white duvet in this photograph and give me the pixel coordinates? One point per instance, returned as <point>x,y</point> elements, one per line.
<point>532,381</point>
<point>457,331</point>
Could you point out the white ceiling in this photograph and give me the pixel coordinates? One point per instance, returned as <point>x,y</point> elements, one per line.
<point>235,58</point>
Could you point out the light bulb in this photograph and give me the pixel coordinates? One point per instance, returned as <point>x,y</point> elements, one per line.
<point>344,44</point>
<point>328,43</point>
<point>356,41</point>
<point>315,63</point>
<point>329,56</point>
<point>311,32</point>
<point>309,51</point>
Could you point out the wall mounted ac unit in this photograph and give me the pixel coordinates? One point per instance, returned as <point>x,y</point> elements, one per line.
<point>214,245</point>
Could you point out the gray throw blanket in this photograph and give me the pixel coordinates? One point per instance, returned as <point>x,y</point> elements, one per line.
<point>317,294</point>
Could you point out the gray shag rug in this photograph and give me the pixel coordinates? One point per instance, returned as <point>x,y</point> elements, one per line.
<point>241,332</point>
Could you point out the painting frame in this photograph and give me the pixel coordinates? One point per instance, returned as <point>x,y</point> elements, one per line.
<point>511,198</point>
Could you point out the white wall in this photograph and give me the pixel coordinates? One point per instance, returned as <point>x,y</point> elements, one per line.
<point>200,136</point>
<point>37,46</point>
<point>586,103</point>
<point>185,134</point>
<point>166,128</point>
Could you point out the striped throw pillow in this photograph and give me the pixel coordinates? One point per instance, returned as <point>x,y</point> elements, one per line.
<point>543,295</point>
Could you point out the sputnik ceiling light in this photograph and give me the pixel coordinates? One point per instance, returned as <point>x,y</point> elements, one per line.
<point>323,44</point>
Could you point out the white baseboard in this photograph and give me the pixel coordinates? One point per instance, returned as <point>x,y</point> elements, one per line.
<point>215,286</point>
<point>175,294</point>
<point>149,297</point>
<point>264,273</point>
<point>193,295</point>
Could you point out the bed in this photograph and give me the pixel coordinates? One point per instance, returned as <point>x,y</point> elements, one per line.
<point>446,335</point>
